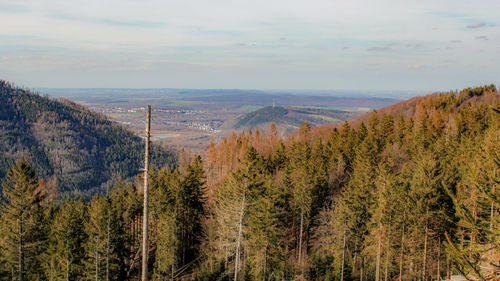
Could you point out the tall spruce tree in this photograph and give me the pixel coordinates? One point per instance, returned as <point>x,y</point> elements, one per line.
<point>192,209</point>
<point>476,253</point>
<point>22,223</point>
<point>357,202</point>
<point>67,237</point>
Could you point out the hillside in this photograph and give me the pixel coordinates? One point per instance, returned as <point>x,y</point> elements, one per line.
<point>437,105</point>
<point>417,184</point>
<point>290,118</point>
<point>71,147</point>
<point>411,178</point>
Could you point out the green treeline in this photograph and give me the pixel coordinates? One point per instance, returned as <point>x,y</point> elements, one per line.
<point>77,151</point>
<point>99,239</point>
<point>393,199</point>
<point>266,114</point>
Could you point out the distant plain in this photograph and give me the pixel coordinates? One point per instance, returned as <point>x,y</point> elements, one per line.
<point>191,118</point>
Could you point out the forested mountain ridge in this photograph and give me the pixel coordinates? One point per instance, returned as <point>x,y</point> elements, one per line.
<point>398,197</point>
<point>290,118</point>
<point>378,197</point>
<point>440,103</point>
<point>77,151</point>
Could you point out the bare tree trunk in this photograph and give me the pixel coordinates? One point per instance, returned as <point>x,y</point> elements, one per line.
<point>386,276</point>
<point>439,260</point>
<point>21,251</point>
<point>362,272</point>
<point>265,264</point>
<point>424,269</point>
<point>238,245</point>
<point>402,250</point>
<point>107,238</point>
<point>388,252</point>
<point>67,260</point>
<point>300,239</point>
<point>343,258</point>
<point>97,259</point>
<point>145,207</point>
<point>379,252</point>
<point>492,214</point>
<point>355,258</point>
<point>226,257</point>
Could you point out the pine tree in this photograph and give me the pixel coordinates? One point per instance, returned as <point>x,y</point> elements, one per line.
<point>192,209</point>
<point>66,254</point>
<point>264,224</point>
<point>95,247</point>
<point>22,224</point>
<point>476,254</point>
<point>300,183</point>
<point>427,219</point>
<point>235,213</point>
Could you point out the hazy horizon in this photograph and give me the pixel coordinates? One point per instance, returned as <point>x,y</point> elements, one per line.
<point>95,92</point>
<point>360,45</point>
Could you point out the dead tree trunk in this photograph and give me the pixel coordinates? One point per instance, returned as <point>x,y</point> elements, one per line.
<point>67,259</point>
<point>97,259</point>
<point>439,260</point>
<point>402,249</point>
<point>424,269</point>
<point>108,237</point>
<point>238,243</point>
<point>300,239</point>
<point>388,253</point>
<point>145,207</point>
<point>21,252</point>
<point>343,258</point>
<point>379,252</point>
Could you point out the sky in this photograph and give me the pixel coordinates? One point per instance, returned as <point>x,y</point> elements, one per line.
<point>424,45</point>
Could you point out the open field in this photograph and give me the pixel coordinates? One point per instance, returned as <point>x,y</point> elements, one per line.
<point>191,118</point>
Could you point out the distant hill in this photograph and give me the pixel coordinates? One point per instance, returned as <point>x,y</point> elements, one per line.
<point>240,97</point>
<point>68,145</point>
<point>433,104</point>
<point>291,117</point>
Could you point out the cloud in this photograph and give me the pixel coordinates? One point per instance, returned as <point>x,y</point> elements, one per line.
<point>378,49</point>
<point>13,8</point>
<point>456,41</point>
<point>414,46</point>
<point>447,14</point>
<point>244,42</point>
<point>476,25</point>
<point>108,21</point>
<point>416,66</point>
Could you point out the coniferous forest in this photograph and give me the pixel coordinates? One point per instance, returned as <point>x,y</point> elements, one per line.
<point>409,192</point>
<point>76,151</point>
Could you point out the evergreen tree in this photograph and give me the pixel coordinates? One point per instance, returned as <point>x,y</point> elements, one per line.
<point>264,224</point>
<point>95,247</point>
<point>427,202</point>
<point>22,225</point>
<point>66,254</point>
<point>357,202</point>
<point>192,200</point>
<point>476,254</point>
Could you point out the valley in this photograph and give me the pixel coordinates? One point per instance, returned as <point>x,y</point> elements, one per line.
<point>190,119</point>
